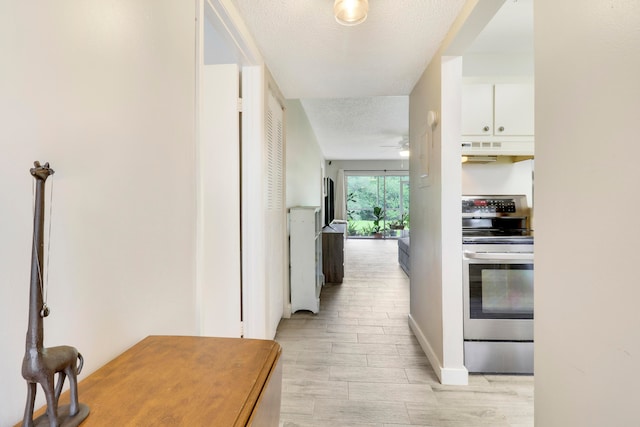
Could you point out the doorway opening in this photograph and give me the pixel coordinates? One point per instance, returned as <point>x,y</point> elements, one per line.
<point>377,205</point>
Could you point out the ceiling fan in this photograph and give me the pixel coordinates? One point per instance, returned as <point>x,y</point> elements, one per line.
<point>402,146</point>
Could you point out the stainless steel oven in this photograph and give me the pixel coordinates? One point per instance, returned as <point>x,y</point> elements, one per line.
<point>498,285</point>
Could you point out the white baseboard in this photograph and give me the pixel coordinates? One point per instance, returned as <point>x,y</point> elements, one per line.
<point>448,376</point>
<point>454,376</point>
<point>287,311</point>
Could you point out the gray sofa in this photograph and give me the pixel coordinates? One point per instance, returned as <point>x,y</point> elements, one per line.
<point>403,254</point>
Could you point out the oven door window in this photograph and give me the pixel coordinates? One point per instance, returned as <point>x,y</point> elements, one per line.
<point>501,291</point>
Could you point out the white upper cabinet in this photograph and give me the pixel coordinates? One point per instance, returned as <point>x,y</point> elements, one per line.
<point>513,109</point>
<point>498,110</point>
<point>477,109</point>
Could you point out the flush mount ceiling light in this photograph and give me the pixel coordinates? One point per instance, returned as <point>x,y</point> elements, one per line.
<point>350,12</point>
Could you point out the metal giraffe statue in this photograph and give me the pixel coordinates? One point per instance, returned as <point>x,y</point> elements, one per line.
<point>40,364</point>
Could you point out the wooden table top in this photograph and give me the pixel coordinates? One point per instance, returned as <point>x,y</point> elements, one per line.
<point>179,381</point>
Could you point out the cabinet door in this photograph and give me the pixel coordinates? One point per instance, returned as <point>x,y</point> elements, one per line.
<point>477,109</point>
<point>514,109</point>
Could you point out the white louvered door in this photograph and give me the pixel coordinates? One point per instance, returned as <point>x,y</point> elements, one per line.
<point>276,215</point>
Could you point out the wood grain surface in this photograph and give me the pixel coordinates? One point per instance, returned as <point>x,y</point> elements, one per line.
<point>183,381</point>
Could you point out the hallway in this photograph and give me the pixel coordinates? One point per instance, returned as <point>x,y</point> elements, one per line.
<point>357,363</point>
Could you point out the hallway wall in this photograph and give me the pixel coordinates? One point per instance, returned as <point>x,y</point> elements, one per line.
<point>436,264</point>
<point>305,161</point>
<point>587,341</point>
<point>104,91</point>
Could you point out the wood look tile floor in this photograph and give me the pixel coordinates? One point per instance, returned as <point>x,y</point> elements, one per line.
<point>357,363</point>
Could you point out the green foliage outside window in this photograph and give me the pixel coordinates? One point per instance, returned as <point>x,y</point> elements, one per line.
<point>365,193</point>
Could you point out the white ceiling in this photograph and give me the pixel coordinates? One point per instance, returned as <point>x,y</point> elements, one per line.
<point>353,82</point>
<point>359,128</point>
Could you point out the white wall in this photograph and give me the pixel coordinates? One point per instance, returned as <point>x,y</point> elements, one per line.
<point>304,159</point>
<point>366,165</point>
<point>587,339</point>
<point>426,256</point>
<point>498,66</point>
<point>436,261</point>
<point>105,92</point>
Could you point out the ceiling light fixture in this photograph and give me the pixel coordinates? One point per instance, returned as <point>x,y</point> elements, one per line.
<point>350,12</point>
<point>404,148</point>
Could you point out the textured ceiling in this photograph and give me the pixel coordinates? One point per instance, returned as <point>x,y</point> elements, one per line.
<point>359,128</point>
<point>312,56</point>
<point>353,82</point>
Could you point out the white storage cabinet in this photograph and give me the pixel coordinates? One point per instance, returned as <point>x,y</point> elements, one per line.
<point>505,109</point>
<point>305,256</point>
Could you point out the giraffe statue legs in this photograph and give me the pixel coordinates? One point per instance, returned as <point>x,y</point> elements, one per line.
<point>31,399</point>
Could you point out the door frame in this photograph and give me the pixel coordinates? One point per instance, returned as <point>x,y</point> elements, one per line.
<point>223,15</point>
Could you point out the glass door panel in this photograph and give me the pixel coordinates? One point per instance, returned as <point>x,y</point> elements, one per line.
<point>377,205</point>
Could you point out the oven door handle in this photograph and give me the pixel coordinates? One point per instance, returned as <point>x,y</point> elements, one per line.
<point>524,256</point>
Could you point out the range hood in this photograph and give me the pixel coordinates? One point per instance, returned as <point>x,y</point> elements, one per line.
<point>479,159</point>
<point>497,148</point>
<point>494,159</point>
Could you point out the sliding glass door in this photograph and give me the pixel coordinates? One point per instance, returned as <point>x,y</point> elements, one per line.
<point>377,204</point>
